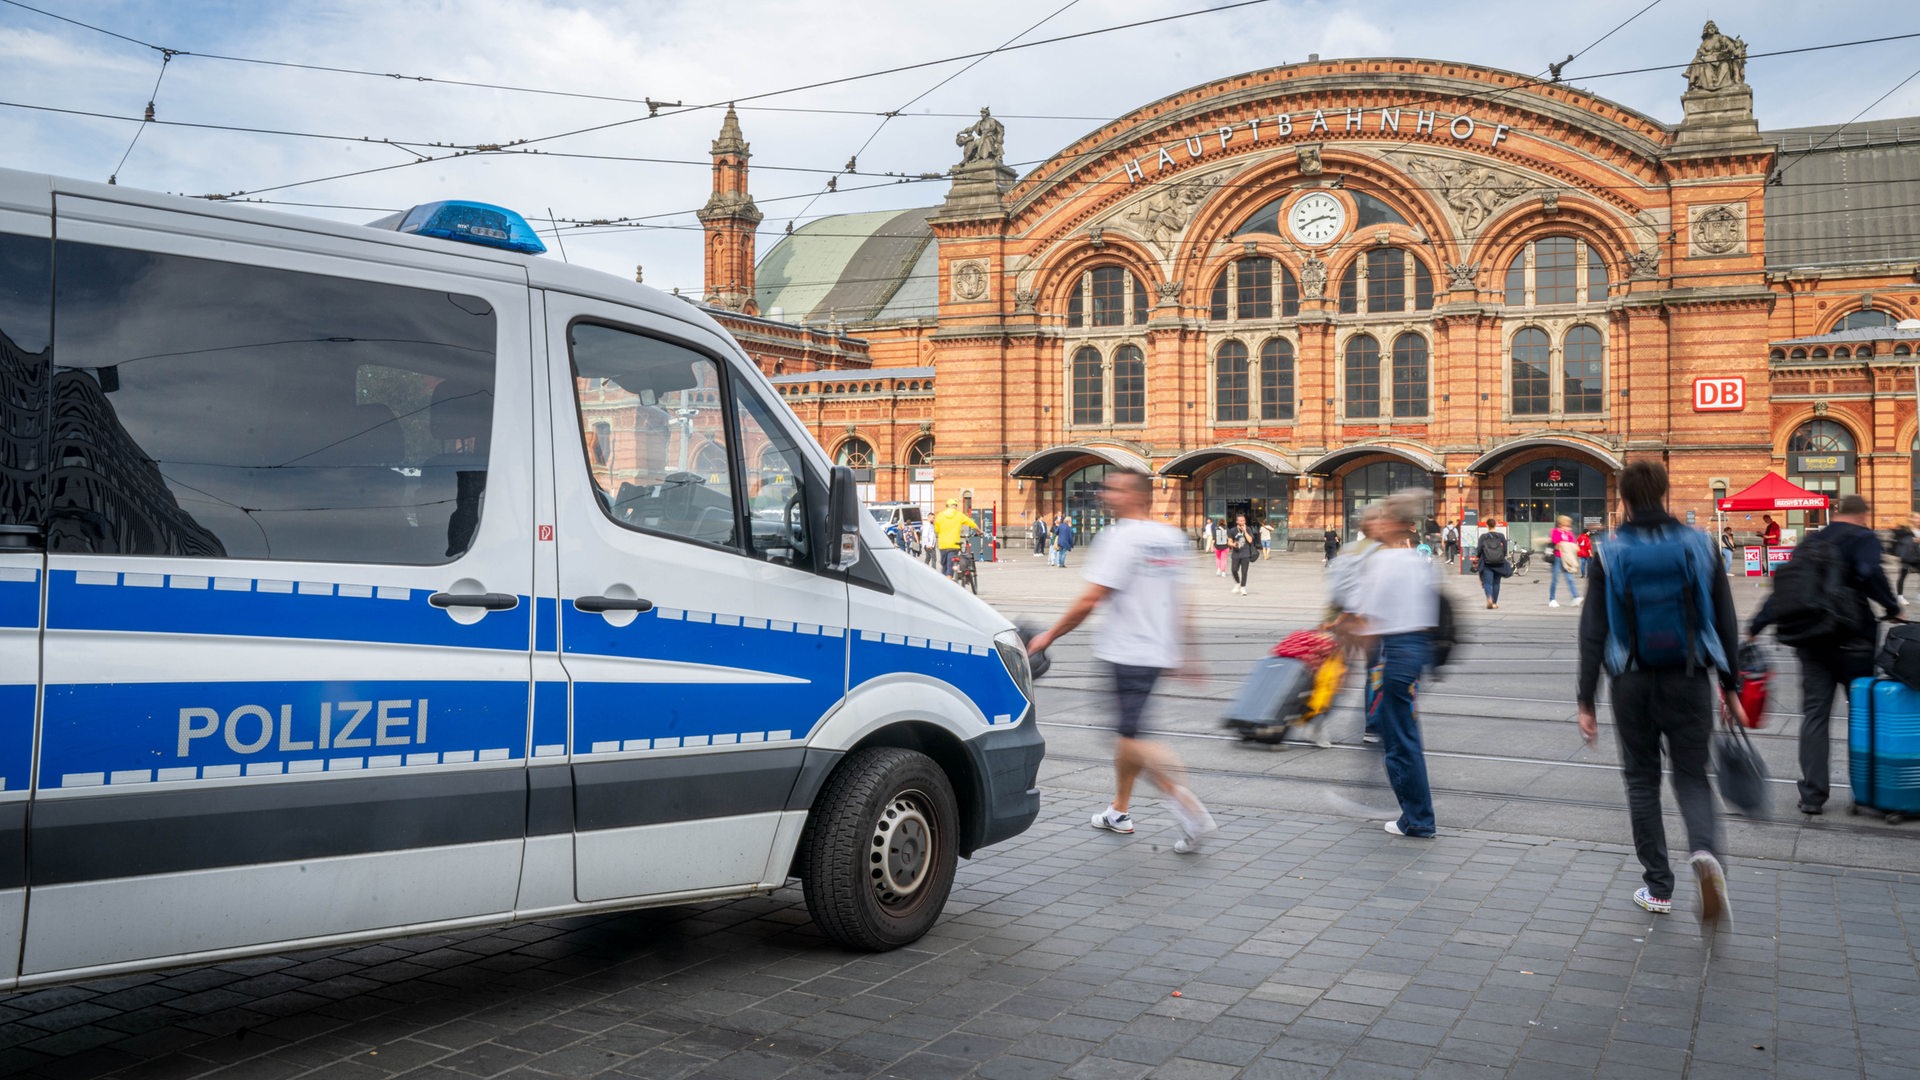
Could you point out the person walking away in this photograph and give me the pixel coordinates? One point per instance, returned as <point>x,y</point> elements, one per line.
<point>949,527</point>
<point>1329,547</point>
<point>1492,552</point>
<point>1222,547</point>
<point>1906,549</point>
<point>1240,539</point>
<point>1039,536</point>
<point>1561,562</point>
<point>1450,542</point>
<point>1665,632</point>
<point>1062,541</point>
<point>1832,658</point>
<point>1137,574</point>
<point>1396,609</point>
<point>1583,549</point>
<point>1266,540</point>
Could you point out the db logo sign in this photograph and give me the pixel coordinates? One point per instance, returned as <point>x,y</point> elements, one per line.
<point>1720,395</point>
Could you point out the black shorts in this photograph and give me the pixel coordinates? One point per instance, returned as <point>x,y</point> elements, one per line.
<point>1131,687</point>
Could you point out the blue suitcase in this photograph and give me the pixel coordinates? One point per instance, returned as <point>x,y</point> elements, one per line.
<point>1274,696</point>
<point>1883,747</point>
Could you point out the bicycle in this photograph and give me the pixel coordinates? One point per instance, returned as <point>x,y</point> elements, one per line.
<point>964,572</point>
<point>1521,557</point>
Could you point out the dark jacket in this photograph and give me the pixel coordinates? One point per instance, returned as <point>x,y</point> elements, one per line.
<point>1861,549</point>
<point>1594,626</point>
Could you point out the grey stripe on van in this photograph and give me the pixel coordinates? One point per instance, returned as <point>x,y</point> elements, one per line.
<point>653,790</point>
<point>13,845</point>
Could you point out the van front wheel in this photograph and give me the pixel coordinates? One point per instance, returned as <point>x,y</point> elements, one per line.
<point>878,854</point>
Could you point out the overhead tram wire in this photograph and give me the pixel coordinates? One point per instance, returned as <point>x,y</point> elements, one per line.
<point>166,58</point>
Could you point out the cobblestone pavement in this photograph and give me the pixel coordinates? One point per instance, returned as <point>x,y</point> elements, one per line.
<point>1302,942</point>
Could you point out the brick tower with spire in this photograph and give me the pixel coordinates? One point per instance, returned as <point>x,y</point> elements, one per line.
<point>730,219</point>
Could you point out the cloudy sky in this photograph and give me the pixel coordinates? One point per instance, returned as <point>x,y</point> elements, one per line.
<point>576,77</point>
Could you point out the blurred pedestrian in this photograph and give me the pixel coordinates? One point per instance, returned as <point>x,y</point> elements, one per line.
<point>950,526</point>
<point>1039,536</point>
<point>1343,597</point>
<point>1491,550</point>
<point>1062,540</point>
<point>1329,547</point>
<point>1240,540</point>
<point>1450,542</point>
<point>1266,540</point>
<point>1583,549</point>
<point>1654,575</point>
<point>1222,547</point>
<point>1395,609</point>
<point>1561,556</point>
<point>1137,572</point>
<point>1906,550</point>
<point>1726,549</point>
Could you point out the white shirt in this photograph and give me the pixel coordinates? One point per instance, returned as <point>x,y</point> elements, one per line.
<point>1144,563</point>
<point>1396,593</point>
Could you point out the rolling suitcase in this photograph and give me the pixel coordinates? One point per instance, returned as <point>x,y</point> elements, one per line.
<point>1883,747</point>
<point>1273,697</point>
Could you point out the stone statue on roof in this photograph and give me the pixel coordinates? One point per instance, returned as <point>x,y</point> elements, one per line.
<point>1720,63</point>
<point>984,142</point>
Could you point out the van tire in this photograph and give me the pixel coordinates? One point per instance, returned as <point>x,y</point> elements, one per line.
<point>878,855</point>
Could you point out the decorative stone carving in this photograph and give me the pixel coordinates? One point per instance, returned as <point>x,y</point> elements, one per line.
<point>1098,236</point>
<point>1472,191</point>
<point>970,280</point>
<point>1025,301</point>
<point>1309,159</point>
<point>1550,202</point>
<point>1165,213</point>
<point>1313,278</point>
<point>1717,230</point>
<point>983,143</point>
<point>1460,276</point>
<point>1719,64</point>
<point>1169,290</point>
<point>1644,264</point>
<point>1820,408</point>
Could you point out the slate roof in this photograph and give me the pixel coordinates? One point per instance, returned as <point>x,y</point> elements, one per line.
<point>1847,194</point>
<point>853,268</point>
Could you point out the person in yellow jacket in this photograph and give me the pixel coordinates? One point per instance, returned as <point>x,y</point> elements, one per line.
<point>950,527</point>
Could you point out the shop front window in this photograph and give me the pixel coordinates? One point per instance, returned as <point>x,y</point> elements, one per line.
<point>1539,492</point>
<point>1249,489</point>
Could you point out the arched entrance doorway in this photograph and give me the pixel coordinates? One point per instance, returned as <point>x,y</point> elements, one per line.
<point>1372,483</point>
<point>1540,491</point>
<point>1082,497</point>
<point>1249,489</point>
<point>1820,457</point>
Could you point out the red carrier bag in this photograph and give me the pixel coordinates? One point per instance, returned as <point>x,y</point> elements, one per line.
<point>1755,670</point>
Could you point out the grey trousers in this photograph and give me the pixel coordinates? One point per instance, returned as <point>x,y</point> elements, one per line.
<point>1821,673</point>
<point>1650,707</point>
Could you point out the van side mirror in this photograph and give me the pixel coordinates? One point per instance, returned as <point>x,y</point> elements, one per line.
<point>843,519</point>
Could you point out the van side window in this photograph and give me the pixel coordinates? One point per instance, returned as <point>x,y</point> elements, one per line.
<point>667,465</point>
<point>26,312</point>
<point>776,485</point>
<point>213,409</point>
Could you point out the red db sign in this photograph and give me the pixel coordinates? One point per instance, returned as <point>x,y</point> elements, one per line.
<point>1720,395</point>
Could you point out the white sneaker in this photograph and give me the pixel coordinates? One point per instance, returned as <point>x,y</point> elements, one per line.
<point>1113,821</point>
<point>1194,822</point>
<point>1903,601</point>
<point>1577,599</point>
<point>1553,603</point>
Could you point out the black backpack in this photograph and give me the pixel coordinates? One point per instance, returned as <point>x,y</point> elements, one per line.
<point>1813,599</point>
<point>1493,549</point>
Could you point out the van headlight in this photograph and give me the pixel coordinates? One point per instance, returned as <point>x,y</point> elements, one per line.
<point>1013,653</point>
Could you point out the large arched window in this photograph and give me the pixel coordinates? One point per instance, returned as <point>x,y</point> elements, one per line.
<point>1276,379</point>
<point>1230,383</point>
<point>1409,376</point>
<point>1582,363</point>
<point>1556,270</point>
<point>1820,457</point>
<point>1089,391</point>
<point>1246,290</point>
<point>1363,377</point>
<point>1532,373</point>
<point>856,454</point>
<point>1385,280</point>
<point>1108,296</point>
<point>921,452</point>
<point>1129,385</point>
<point>1862,320</point>
<point>1820,437</point>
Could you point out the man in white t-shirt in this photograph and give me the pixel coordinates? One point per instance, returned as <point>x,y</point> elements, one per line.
<point>1138,571</point>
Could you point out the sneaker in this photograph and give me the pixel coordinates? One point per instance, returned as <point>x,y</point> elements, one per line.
<point>1811,809</point>
<point>1195,822</point>
<point>1553,603</point>
<point>1713,890</point>
<point>1577,599</point>
<point>1394,828</point>
<point>1903,601</point>
<point>1370,737</point>
<point>1646,899</point>
<point>1316,734</point>
<point>1113,821</point>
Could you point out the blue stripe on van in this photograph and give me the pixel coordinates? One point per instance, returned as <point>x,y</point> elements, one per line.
<point>974,670</point>
<point>16,736</point>
<point>546,624</point>
<point>20,600</point>
<point>135,733</point>
<point>267,608</point>
<point>549,719</point>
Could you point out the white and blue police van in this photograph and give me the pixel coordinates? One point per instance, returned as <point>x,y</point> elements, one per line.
<point>364,581</point>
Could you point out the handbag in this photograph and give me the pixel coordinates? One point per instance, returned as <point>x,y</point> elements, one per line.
<point>1568,560</point>
<point>1738,771</point>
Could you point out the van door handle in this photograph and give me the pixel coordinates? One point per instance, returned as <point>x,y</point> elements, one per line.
<point>611,603</point>
<point>492,601</point>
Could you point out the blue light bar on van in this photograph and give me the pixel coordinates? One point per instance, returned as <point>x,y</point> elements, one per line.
<point>473,223</point>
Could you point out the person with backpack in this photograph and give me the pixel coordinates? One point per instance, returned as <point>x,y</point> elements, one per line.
<point>1666,634</point>
<point>1492,549</point>
<point>1906,548</point>
<point>1819,606</point>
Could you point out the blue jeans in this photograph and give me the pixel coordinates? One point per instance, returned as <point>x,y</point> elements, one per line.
<point>1394,682</point>
<point>1557,572</point>
<point>1490,584</point>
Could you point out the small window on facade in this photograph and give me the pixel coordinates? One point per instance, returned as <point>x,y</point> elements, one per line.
<point>1898,350</point>
<point>1532,373</point>
<point>1129,385</point>
<point>1380,282</point>
<point>1820,353</point>
<point>1109,296</point>
<point>1217,309</point>
<point>1140,306</point>
<point>1075,315</point>
<point>1596,276</point>
<point>1363,377</point>
<point>1863,320</point>
<point>921,452</point>
<point>1088,390</point>
<point>1583,361</point>
<point>1409,376</point>
<point>1276,379</point>
<point>1255,285</point>
<point>1386,280</point>
<point>856,454</point>
<point>1230,383</point>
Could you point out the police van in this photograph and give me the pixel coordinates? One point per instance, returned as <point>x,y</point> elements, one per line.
<point>363,581</point>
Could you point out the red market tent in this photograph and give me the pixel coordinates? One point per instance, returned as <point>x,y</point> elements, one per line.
<point>1773,492</point>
